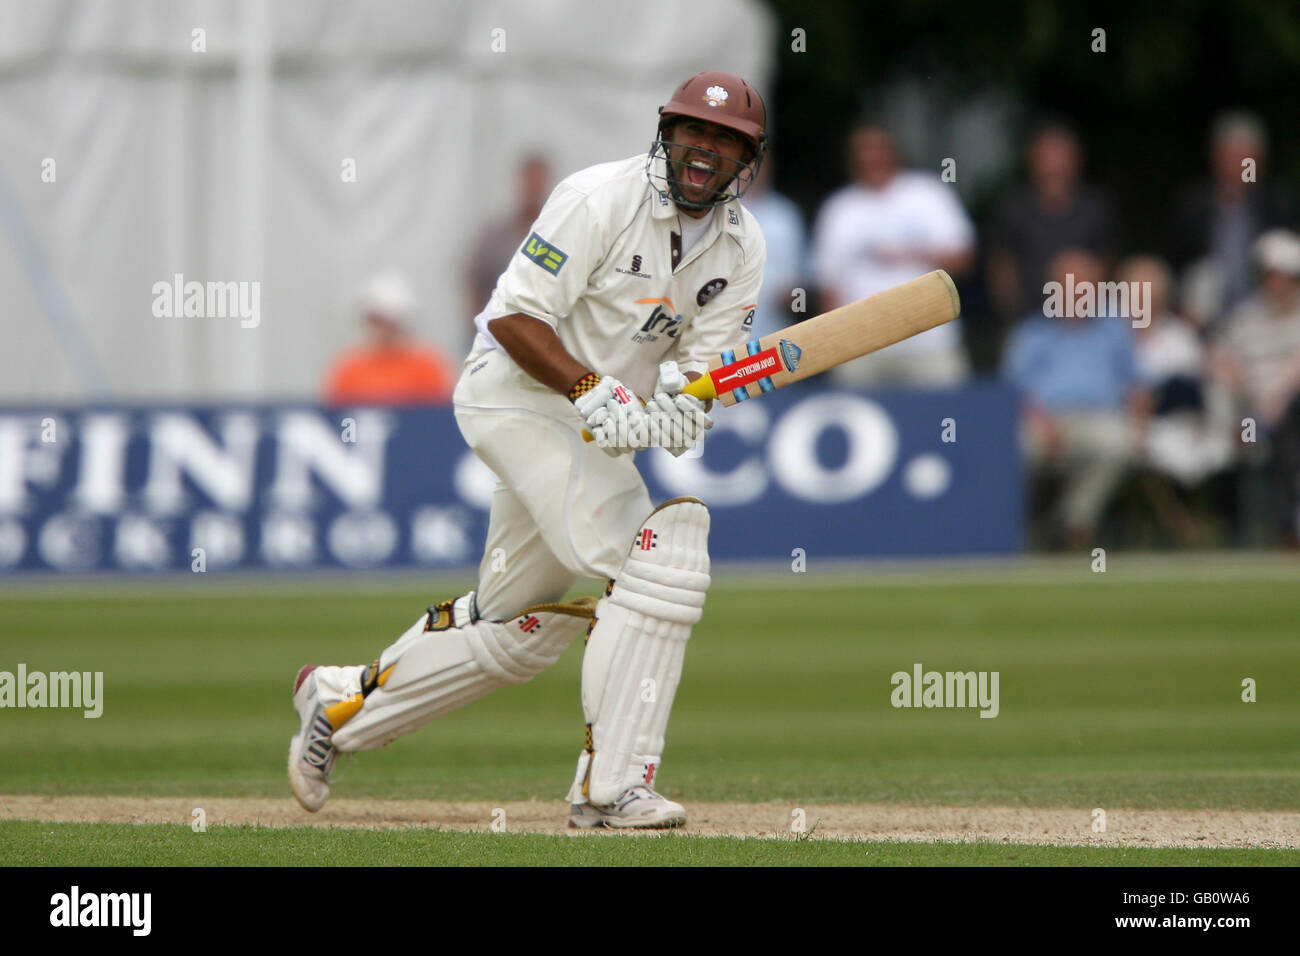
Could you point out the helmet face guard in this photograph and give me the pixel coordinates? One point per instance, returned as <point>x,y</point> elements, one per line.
<point>670,180</point>
<point>721,99</point>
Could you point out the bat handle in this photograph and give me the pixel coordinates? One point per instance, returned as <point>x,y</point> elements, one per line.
<point>702,388</point>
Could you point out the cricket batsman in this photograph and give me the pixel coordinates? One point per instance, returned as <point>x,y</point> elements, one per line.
<point>635,274</point>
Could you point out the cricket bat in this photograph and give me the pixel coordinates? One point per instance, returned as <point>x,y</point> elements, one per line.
<point>830,339</point>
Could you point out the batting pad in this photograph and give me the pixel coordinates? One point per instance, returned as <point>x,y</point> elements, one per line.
<point>428,673</point>
<point>633,660</point>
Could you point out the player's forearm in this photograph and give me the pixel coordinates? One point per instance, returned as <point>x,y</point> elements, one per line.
<point>538,351</point>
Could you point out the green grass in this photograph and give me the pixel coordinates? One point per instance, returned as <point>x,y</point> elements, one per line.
<point>126,844</point>
<point>1115,692</point>
<point>1112,694</point>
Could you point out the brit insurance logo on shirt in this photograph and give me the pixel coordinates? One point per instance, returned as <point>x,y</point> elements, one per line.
<point>664,319</point>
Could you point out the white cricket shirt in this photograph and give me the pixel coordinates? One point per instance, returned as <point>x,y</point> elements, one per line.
<point>603,265</point>
<point>855,223</point>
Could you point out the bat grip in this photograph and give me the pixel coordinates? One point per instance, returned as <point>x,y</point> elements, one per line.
<point>702,388</point>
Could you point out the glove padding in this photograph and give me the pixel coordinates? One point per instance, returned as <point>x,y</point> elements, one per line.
<point>677,421</point>
<point>614,416</point>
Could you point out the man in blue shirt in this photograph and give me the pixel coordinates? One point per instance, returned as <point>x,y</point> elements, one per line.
<point>1082,402</point>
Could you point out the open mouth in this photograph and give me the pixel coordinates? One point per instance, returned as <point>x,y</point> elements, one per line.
<point>698,172</point>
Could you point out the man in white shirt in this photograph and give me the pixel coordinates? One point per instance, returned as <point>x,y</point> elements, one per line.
<point>887,226</point>
<point>787,254</point>
<point>634,275</point>
<point>1182,438</point>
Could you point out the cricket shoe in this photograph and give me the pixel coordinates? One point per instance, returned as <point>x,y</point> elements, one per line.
<point>311,755</point>
<point>638,808</point>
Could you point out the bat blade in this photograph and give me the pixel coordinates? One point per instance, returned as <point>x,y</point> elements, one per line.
<point>832,338</point>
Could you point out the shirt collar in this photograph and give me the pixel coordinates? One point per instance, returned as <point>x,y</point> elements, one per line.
<point>663,207</point>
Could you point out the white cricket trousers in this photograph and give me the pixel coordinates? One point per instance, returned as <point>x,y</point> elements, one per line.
<point>563,509</point>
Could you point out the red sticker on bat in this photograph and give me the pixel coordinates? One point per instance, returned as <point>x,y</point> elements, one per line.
<point>746,371</point>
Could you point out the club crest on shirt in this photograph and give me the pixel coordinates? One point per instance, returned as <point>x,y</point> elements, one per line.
<point>709,291</point>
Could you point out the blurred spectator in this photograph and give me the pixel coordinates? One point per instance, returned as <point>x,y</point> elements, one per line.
<point>1256,361</point>
<point>1035,221</point>
<point>787,251</point>
<point>1082,402</point>
<point>1215,222</point>
<point>887,226</point>
<point>499,240</point>
<point>1180,439</point>
<point>390,369</point>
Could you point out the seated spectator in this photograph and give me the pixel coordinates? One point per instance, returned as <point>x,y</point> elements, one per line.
<point>390,368</point>
<point>1082,401</point>
<point>887,226</point>
<point>1256,362</point>
<point>1180,441</point>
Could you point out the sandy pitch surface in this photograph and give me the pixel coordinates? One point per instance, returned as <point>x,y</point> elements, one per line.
<point>843,821</point>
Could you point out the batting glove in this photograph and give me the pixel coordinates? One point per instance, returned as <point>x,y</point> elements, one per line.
<point>677,421</point>
<point>613,414</point>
